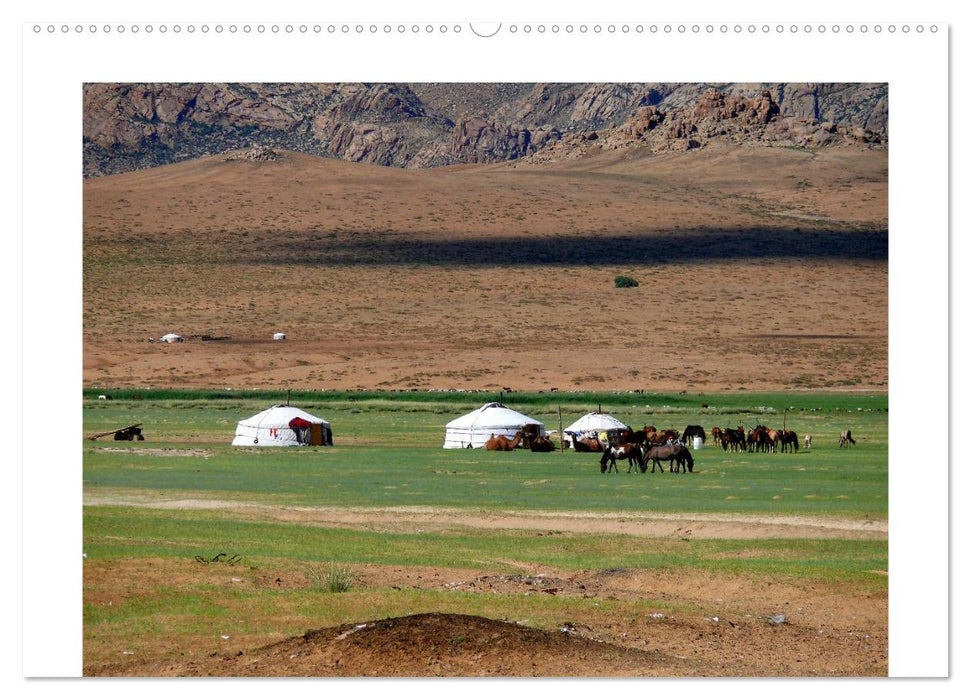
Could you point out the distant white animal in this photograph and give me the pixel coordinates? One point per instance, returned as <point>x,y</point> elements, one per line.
<point>809,441</point>
<point>102,397</point>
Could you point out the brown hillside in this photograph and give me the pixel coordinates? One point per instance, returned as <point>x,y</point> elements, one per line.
<point>758,268</point>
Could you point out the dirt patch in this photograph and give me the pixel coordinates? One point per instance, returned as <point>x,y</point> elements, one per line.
<point>428,519</point>
<point>158,451</point>
<point>627,622</point>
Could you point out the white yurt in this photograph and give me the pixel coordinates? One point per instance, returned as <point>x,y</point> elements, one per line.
<point>172,338</point>
<point>282,426</point>
<point>593,425</point>
<point>279,336</point>
<point>473,429</point>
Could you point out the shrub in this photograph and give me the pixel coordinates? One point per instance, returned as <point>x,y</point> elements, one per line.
<point>621,281</point>
<point>336,579</point>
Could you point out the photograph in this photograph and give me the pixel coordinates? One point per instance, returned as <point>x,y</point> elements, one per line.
<point>469,379</point>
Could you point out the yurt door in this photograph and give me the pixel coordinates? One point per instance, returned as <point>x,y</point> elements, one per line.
<point>316,434</point>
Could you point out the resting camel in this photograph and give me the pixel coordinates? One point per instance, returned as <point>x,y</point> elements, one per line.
<point>587,444</point>
<point>542,444</point>
<point>501,443</point>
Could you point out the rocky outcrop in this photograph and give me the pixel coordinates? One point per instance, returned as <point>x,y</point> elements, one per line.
<point>126,127</point>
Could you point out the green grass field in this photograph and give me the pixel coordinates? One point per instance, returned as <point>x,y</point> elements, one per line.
<point>388,453</point>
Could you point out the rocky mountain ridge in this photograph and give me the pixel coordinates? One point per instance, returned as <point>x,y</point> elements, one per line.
<point>129,127</point>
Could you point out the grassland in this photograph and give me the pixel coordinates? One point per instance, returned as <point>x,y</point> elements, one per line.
<point>371,504</point>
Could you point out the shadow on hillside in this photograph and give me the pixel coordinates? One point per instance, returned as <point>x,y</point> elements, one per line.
<point>349,248</point>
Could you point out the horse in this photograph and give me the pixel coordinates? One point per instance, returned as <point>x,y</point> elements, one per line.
<point>716,434</point>
<point>608,462</point>
<point>542,444</point>
<point>846,439</point>
<point>500,443</point>
<point>733,438</point>
<point>632,453</point>
<point>809,441</point>
<point>693,431</point>
<point>791,440</point>
<point>676,454</point>
<point>633,437</point>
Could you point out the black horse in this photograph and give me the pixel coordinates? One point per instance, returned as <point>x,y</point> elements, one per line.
<point>693,431</point>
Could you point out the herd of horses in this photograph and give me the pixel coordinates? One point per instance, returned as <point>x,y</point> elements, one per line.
<point>639,447</point>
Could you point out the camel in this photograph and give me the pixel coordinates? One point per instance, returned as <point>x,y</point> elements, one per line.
<point>501,443</point>
<point>542,444</point>
<point>587,444</point>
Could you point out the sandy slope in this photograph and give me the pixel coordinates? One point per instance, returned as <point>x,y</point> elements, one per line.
<point>759,268</point>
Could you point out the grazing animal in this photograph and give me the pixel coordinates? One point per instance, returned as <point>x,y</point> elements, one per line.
<point>716,434</point>
<point>542,444</point>
<point>733,438</point>
<point>789,440</point>
<point>632,453</point>
<point>693,431</point>
<point>846,439</point>
<point>809,441</point>
<point>677,455</point>
<point>500,443</point>
<point>608,462</point>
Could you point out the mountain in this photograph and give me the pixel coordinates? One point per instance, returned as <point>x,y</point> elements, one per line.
<point>420,125</point>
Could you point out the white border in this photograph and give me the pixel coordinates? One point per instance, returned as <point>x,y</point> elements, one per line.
<point>55,66</point>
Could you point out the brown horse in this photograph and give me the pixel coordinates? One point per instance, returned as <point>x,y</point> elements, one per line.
<point>677,455</point>
<point>733,439</point>
<point>500,443</point>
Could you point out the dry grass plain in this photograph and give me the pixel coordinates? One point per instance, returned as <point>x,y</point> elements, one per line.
<point>759,268</point>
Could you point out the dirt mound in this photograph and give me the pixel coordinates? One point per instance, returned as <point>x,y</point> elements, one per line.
<point>431,644</point>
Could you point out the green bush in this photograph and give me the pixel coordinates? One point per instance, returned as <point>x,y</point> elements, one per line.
<point>621,281</point>
<point>336,579</point>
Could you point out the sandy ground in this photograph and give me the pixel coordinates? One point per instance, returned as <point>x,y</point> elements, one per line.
<point>428,519</point>
<point>758,268</point>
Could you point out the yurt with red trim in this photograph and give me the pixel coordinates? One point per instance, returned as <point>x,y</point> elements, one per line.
<point>282,426</point>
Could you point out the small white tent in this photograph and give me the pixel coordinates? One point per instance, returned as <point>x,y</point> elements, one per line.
<point>172,338</point>
<point>282,426</point>
<point>473,429</point>
<point>592,425</point>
